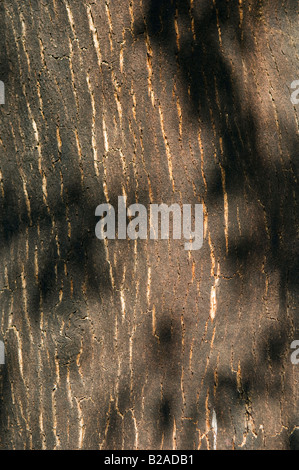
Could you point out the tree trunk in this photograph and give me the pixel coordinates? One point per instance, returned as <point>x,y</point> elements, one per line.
<point>122,344</point>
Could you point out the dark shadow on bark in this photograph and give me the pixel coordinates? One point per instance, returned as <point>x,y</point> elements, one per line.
<point>201,65</point>
<point>205,73</point>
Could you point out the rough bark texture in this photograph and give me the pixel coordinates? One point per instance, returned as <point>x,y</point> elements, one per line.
<point>136,345</point>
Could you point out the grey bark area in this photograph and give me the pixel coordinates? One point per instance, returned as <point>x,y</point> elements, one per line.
<point>140,344</point>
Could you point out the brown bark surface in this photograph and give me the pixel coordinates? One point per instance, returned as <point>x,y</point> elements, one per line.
<point>138,344</point>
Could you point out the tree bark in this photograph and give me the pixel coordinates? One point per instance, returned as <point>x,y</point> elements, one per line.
<point>140,344</point>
